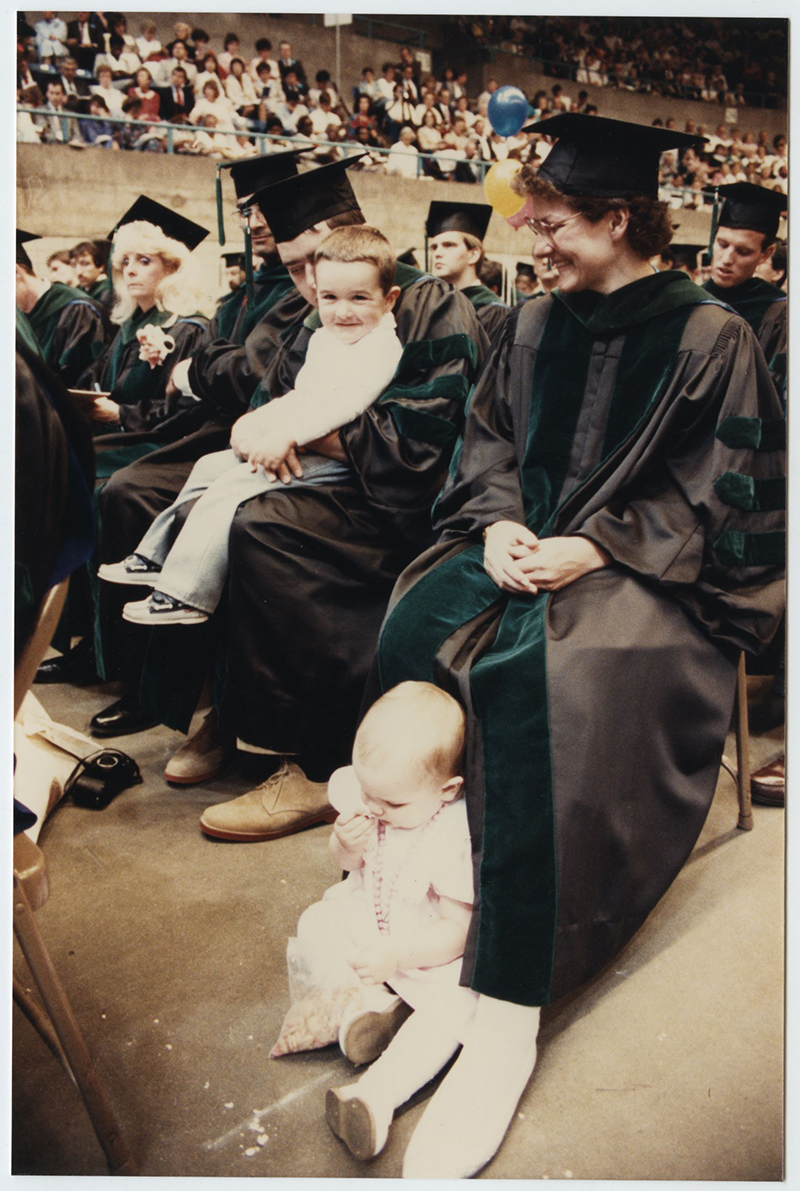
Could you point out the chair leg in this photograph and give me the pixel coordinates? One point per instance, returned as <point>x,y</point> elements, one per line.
<point>109,1134</point>
<point>41,1023</point>
<point>743,750</point>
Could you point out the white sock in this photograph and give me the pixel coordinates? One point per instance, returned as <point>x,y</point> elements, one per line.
<point>465,1122</point>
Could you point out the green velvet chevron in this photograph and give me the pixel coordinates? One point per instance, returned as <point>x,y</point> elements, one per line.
<point>736,549</point>
<point>743,492</point>
<point>754,434</point>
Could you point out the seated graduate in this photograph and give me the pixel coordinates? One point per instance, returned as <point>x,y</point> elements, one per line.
<point>159,314</point>
<point>350,360</point>
<point>323,582</point>
<point>71,328</point>
<point>746,239</point>
<point>601,563</point>
<point>456,232</point>
<point>124,392</point>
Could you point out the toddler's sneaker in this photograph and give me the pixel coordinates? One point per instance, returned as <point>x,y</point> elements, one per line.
<point>371,1023</point>
<point>160,608</point>
<point>133,569</point>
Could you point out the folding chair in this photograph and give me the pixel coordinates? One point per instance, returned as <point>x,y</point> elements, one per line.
<point>741,775</point>
<point>56,1023</point>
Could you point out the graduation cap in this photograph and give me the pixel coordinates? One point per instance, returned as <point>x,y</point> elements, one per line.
<point>526,268</point>
<point>750,207</point>
<point>607,158</point>
<point>471,218</point>
<point>24,238</point>
<point>685,255</point>
<point>232,259</point>
<point>248,177</point>
<point>254,174</point>
<point>293,206</point>
<point>176,226</point>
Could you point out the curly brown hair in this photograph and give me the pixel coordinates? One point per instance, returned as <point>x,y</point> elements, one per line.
<point>649,224</point>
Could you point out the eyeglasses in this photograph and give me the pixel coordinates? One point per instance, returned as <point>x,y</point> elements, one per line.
<point>549,230</point>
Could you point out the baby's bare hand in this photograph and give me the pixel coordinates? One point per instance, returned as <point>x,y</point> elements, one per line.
<point>376,963</point>
<point>354,831</point>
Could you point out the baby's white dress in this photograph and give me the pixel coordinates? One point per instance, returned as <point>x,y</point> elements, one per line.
<point>405,872</point>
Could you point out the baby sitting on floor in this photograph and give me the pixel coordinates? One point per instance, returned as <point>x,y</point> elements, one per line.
<point>391,936</point>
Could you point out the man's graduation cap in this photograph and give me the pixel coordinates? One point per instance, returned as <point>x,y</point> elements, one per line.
<point>254,174</point>
<point>607,158</point>
<point>233,258</point>
<point>293,206</point>
<point>248,177</point>
<point>750,207</point>
<point>24,238</point>
<point>471,218</point>
<point>686,255</point>
<point>177,227</point>
<point>526,268</point>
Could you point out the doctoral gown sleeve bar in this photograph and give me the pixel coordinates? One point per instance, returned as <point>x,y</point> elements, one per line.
<point>401,447</point>
<point>666,523</point>
<point>225,376</point>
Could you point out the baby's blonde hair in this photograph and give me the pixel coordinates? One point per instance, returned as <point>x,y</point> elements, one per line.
<point>416,723</point>
<point>351,245</point>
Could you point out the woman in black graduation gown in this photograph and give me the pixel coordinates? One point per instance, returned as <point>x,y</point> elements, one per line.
<point>159,312</point>
<point>610,538</point>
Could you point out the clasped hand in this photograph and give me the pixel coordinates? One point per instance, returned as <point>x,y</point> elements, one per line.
<point>520,562</point>
<point>256,442</point>
<point>376,962</point>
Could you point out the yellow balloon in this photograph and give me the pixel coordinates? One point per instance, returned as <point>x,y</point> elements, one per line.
<point>497,187</point>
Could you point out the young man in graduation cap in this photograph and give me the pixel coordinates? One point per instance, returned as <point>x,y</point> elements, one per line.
<point>684,257</point>
<point>225,373</point>
<point>745,241</point>
<point>599,568</point>
<point>455,234</point>
<point>234,271</point>
<point>746,238</point>
<point>90,261</point>
<point>221,375</point>
<point>311,569</point>
<point>70,327</point>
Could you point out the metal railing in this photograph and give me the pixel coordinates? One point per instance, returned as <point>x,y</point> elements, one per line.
<point>260,139</point>
<point>687,196</point>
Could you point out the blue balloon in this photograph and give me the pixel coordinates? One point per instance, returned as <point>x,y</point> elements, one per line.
<point>507,110</point>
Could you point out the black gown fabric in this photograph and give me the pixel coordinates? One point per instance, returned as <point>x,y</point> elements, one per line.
<point>763,306</point>
<point>72,331</point>
<point>148,414</point>
<point>647,422</point>
<point>102,292</point>
<point>134,495</point>
<point>312,569</point>
<point>54,476</point>
<point>490,310</point>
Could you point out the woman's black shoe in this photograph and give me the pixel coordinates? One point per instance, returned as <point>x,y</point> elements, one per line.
<point>121,718</point>
<point>76,666</point>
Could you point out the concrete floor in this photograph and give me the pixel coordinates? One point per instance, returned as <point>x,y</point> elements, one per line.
<point>668,1065</point>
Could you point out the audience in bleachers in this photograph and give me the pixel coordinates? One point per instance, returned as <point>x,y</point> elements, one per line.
<point>432,125</point>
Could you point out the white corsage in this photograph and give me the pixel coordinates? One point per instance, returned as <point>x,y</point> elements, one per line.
<point>155,346</point>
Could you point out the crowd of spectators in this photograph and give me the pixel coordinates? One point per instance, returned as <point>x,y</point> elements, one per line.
<point>737,63</point>
<point>403,120</point>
